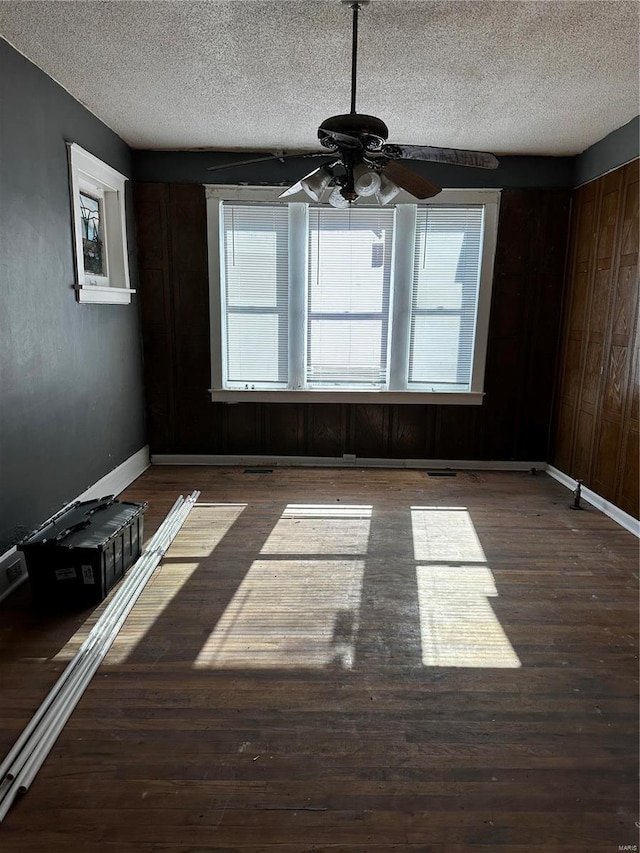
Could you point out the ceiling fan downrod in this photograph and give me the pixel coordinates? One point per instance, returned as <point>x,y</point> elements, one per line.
<point>353,130</point>
<point>354,54</point>
<point>355,6</point>
<point>360,157</point>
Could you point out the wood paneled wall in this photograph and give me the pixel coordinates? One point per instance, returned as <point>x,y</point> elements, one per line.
<point>513,422</point>
<point>596,437</point>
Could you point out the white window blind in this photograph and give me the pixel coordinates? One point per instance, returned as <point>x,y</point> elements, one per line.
<point>366,304</point>
<point>348,294</point>
<point>446,283</point>
<point>255,287</point>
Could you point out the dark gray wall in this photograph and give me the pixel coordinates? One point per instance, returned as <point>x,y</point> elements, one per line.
<point>70,375</point>
<point>619,147</point>
<point>177,167</point>
<point>191,167</point>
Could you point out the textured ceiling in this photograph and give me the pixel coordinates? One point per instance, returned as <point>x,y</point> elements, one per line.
<point>509,77</point>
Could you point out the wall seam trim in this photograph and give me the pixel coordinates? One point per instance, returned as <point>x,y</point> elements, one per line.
<point>607,172</point>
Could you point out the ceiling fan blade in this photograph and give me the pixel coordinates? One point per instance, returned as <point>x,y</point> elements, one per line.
<point>343,139</point>
<point>302,156</point>
<point>297,187</point>
<point>453,156</point>
<point>411,182</point>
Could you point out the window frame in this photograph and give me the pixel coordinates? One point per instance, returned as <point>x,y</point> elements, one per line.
<point>402,266</point>
<point>417,312</point>
<point>93,177</point>
<point>382,316</point>
<point>232,384</point>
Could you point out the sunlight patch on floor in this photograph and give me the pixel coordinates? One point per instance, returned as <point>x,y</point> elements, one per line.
<point>288,614</point>
<point>458,626</point>
<point>205,526</point>
<point>320,529</point>
<point>198,538</point>
<point>445,534</point>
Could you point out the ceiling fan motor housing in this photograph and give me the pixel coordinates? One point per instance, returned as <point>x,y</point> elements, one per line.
<point>372,132</point>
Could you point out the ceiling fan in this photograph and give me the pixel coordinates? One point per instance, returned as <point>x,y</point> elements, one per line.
<point>361,163</point>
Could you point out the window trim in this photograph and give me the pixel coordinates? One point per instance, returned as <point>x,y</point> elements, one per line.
<point>90,175</point>
<point>403,256</point>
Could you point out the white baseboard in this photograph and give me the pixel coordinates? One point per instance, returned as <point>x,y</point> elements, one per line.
<point>116,481</point>
<point>351,461</point>
<point>13,570</point>
<point>346,461</point>
<point>619,515</point>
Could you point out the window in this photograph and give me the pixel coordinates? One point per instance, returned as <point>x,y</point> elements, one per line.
<point>444,296</point>
<point>348,296</point>
<point>383,304</point>
<point>255,257</point>
<point>100,238</point>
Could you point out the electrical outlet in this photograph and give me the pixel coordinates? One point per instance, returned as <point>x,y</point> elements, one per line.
<point>14,571</point>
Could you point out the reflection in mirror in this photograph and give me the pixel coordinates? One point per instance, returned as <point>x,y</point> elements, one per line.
<point>92,225</point>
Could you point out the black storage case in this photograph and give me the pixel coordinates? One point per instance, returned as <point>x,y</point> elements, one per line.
<point>79,554</point>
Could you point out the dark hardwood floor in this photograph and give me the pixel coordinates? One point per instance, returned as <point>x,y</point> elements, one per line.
<point>347,660</point>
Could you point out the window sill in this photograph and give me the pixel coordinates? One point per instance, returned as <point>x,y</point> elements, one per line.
<point>447,398</point>
<point>104,295</point>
